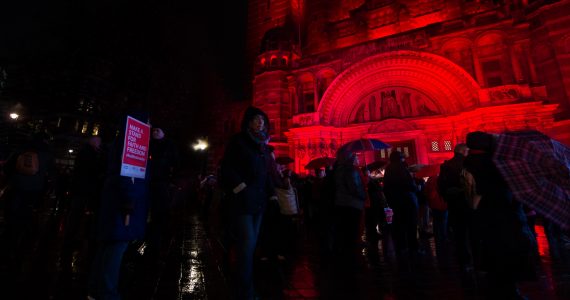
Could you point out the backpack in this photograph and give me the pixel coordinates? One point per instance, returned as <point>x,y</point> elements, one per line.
<point>449,180</point>
<point>27,163</point>
<point>470,188</point>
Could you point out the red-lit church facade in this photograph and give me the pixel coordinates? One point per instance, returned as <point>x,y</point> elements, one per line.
<point>418,75</point>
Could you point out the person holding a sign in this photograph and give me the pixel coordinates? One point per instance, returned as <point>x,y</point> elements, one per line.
<point>124,205</point>
<point>246,178</point>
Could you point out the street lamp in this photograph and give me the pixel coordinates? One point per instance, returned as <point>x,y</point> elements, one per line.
<point>200,145</point>
<point>14,116</point>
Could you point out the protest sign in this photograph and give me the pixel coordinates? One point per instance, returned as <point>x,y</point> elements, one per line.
<point>135,148</point>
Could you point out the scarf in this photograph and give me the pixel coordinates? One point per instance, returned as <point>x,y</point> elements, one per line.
<point>259,137</point>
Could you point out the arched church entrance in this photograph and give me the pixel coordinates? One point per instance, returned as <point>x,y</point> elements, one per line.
<point>416,101</point>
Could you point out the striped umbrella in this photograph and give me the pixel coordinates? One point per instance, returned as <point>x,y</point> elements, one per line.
<point>362,145</point>
<point>537,170</point>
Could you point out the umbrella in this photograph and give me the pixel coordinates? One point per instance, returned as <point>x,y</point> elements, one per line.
<point>362,145</point>
<point>415,168</point>
<point>320,162</point>
<point>379,164</point>
<point>284,160</point>
<point>424,170</point>
<point>537,170</point>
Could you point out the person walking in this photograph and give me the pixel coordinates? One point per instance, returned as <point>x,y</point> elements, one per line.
<point>246,179</point>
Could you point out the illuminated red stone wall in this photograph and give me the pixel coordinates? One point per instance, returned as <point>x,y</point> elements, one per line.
<point>417,74</point>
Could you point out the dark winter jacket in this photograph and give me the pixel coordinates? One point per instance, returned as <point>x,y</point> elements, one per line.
<point>350,190</point>
<point>399,184</point>
<point>449,183</point>
<point>250,162</point>
<point>89,171</point>
<point>507,239</point>
<point>122,196</point>
<point>164,160</point>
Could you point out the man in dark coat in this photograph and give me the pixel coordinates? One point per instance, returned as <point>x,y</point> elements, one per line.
<point>450,187</point>
<point>507,242</point>
<point>122,218</point>
<point>400,190</point>
<point>163,163</point>
<point>246,179</point>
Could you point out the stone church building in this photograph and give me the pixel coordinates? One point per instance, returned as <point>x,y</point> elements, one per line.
<point>417,74</point>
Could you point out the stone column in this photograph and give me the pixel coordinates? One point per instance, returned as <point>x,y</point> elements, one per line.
<point>478,68</point>
<point>514,51</point>
<point>316,93</point>
<point>531,66</point>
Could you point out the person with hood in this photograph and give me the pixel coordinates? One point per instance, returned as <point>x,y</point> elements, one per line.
<point>246,178</point>
<point>507,243</point>
<point>27,171</point>
<point>400,190</point>
<point>350,195</point>
<point>122,219</point>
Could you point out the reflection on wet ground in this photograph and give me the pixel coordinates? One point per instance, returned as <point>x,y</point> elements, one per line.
<point>192,267</point>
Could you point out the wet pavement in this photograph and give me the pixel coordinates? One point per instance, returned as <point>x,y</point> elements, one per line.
<point>192,267</point>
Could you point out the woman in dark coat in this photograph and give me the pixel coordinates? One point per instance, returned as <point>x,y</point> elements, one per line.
<point>246,178</point>
<point>400,190</point>
<point>350,194</point>
<point>507,241</point>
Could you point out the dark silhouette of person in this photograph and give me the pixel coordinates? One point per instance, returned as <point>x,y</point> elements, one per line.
<point>246,178</point>
<point>507,243</point>
<point>121,219</point>
<point>400,190</point>
<point>87,182</point>
<point>450,187</point>
<point>28,171</point>
<point>164,161</point>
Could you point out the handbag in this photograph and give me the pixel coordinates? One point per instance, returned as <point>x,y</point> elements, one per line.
<point>287,199</point>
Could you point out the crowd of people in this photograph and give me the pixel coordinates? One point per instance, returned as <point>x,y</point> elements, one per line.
<point>488,228</point>
<point>263,205</point>
<point>101,211</point>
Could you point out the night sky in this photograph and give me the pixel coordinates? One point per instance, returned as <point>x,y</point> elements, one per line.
<point>173,57</point>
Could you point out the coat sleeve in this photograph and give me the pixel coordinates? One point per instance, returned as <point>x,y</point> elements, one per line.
<point>355,185</point>
<point>271,178</point>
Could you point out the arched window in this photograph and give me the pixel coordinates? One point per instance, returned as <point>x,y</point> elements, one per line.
<point>274,61</point>
<point>306,94</point>
<point>494,59</point>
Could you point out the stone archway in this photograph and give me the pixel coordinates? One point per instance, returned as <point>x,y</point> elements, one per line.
<point>449,85</point>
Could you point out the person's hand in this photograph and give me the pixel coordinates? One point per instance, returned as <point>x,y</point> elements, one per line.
<point>239,188</point>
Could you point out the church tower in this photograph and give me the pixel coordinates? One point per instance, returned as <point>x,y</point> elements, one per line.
<point>273,49</point>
